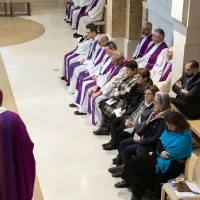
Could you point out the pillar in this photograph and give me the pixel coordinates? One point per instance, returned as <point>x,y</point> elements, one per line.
<point>186,34</point>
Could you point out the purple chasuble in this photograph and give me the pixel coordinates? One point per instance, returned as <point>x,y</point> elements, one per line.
<point>165,72</point>
<point>17,163</point>
<point>155,54</point>
<point>144,46</point>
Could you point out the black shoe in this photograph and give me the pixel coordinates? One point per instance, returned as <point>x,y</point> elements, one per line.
<point>107,144</point>
<point>79,113</point>
<point>111,146</point>
<point>114,170</point>
<point>72,105</point>
<point>102,133</point>
<point>121,184</point>
<point>62,78</point>
<point>76,35</point>
<point>68,84</point>
<point>103,128</point>
<point>117,175</point>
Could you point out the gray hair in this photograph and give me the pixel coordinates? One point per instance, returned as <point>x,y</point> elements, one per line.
<point>164,99</point>
<point>160,31</point>
<point>118,55</point>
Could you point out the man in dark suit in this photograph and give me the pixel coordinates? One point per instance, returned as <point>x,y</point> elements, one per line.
<point>187,89</point>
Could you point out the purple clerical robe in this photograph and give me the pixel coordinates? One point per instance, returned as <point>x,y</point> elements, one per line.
<point>165,72</point>
<point>17,163</point>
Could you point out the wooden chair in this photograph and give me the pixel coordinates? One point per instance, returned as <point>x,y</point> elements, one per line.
<point>14,2</point>
<point>5,3</point>
<point>166,189</point>
<point>102,24</point>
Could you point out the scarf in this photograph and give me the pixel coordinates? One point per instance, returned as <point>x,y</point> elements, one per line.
<point>178,145</point>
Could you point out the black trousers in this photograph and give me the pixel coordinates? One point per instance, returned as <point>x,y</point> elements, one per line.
<point>140,174</point>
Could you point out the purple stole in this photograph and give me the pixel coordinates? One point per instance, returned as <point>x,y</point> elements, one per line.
<point>144,46</point>
<point>108,68</point>
<point>94,3</point>
<point>115,71</point>
<point>69,7</point>
<point>154,56</point>
<point>92,50</point>
<point>77,8</point>
<point>165,72</point>
<point>81,14</point>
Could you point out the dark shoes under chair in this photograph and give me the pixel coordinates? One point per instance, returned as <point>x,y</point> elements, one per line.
<point>110,146</point>
<point>72,105</point>
<point>76,35</point>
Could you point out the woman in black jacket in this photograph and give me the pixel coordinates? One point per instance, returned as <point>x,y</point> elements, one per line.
<point>123,129</point>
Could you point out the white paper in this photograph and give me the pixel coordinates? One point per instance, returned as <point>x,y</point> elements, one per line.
<point>193,187</point>
<point>182,195</point>
<point>117,112</point>
<point>111,102</point>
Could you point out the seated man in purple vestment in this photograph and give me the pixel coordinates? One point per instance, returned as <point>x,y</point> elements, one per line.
<point>17,163</point>
<point>80,53</point>
<point>100,78</point>
<point>155,53</point>
<point>145,41</point>
<point>161,76</point>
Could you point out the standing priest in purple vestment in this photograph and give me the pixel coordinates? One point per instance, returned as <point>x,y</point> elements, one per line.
<point>145,41</point>
<point>98,79</point>
<point>155,53</point>
<point>17,163</point>
<point>161,76</point>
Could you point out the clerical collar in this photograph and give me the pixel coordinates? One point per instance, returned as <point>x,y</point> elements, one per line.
<point>158,44</point>
<point>2,109</point>
<point>169,61</point>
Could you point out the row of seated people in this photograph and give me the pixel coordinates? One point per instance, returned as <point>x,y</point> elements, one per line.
<point>17,162</point>
<point>123,97</point>
<point>81,12</point>
<point>102,78</point>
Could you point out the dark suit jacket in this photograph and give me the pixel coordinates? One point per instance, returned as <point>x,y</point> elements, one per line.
<point>188,104</point>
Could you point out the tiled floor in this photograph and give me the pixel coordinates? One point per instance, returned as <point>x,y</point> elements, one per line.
<point>71,164</point>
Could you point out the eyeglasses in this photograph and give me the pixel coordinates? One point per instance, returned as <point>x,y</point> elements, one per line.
<point>143,29</point>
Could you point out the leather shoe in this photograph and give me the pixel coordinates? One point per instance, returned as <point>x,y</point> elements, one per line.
<point>102,133</point>
<point>117,175</point>
<point>111,146</point>
<point>121,184</point>
<point>114,170</point>
<point>106,144</point>
<point>62,78</point>
<point>72,105</point>
<point>103,129</point>
<point>79,113</point>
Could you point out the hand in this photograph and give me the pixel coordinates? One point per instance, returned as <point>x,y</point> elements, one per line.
<point>179,84</point>
<point>150,153</point>
<point>129,124</point>
<point>93,89</point>
<point>95,95</point>
<point>82,61</point>
<point>184,91</point>
<point>164,154</point>
<point>122,112</point>
<point>137,138</point>
<point>94,78</point>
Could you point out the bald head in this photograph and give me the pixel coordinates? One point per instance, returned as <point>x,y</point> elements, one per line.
<point>103,39</point>
<point>169,53</point>
<point>117,58</point>
<point>147,28</point>
<point>1,97</point>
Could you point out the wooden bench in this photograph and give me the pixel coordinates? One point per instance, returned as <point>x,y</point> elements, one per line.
<point>5,4</point>
<point>102,24</point>
<point>14,2</point>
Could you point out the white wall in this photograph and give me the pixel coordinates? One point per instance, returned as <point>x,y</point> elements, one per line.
<point>159,14</point>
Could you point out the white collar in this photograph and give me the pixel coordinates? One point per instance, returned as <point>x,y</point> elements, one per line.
<point>158,44</point>
<point>148,105</point>
<point>2,109</point>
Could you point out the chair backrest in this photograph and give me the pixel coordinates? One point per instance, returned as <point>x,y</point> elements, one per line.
<point>196,173</point>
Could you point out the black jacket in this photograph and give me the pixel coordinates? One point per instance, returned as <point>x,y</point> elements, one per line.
<point>135,97</point>
<point>188,104</point>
